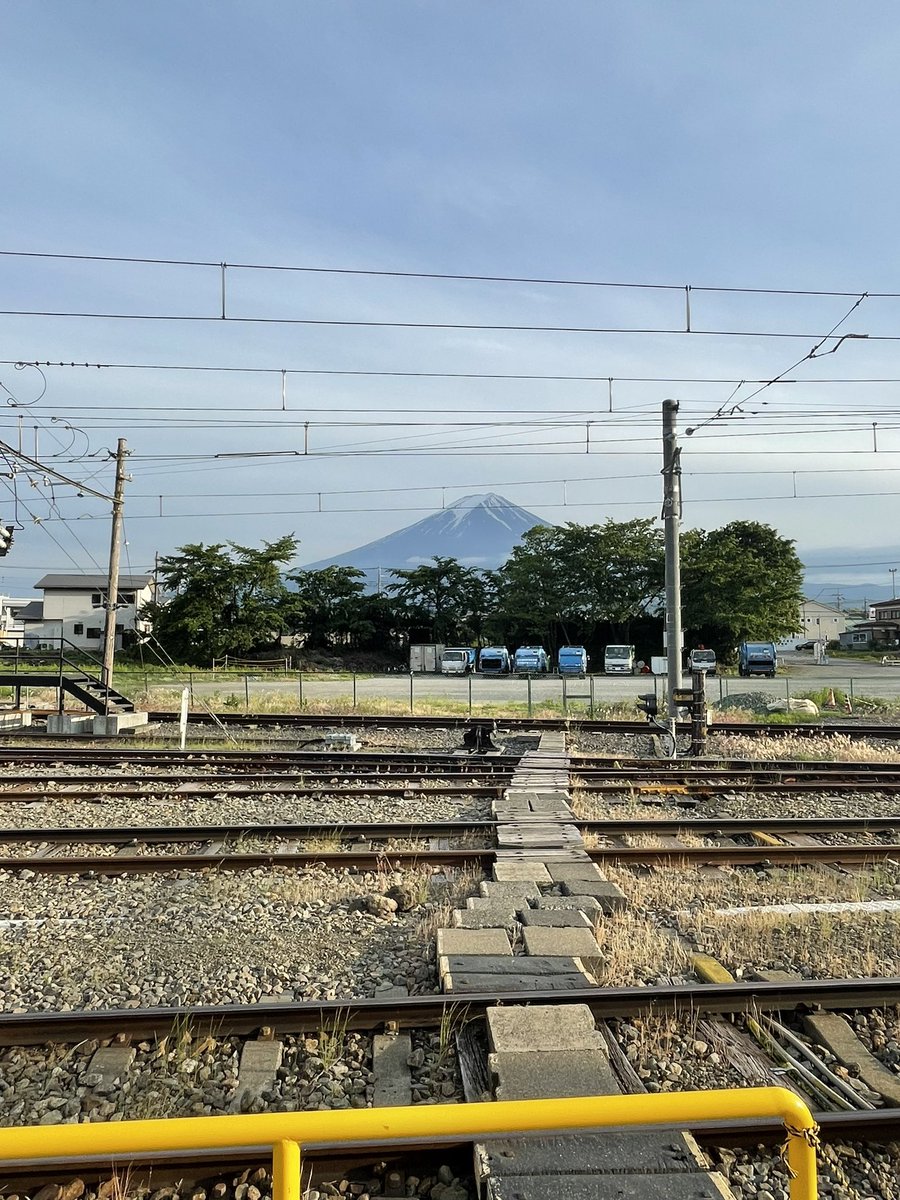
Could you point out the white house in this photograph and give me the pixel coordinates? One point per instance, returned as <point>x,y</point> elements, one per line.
<point>12,626</point>
<point>821,621</point>
<point>73,609</point>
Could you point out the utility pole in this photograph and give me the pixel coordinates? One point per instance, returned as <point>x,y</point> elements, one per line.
<point>115,551</point>
<point>893,571</point>
<point>671,513</point>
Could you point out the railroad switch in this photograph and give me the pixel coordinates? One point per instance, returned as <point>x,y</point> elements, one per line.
<point>478,738</point>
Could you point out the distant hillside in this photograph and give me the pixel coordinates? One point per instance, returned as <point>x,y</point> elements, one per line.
<point>478,531</point>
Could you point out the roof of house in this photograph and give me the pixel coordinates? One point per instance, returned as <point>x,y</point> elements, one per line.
<point>130,582</point>
<point>819,604</point>
<point>884,603</point>
<point>33,611</point>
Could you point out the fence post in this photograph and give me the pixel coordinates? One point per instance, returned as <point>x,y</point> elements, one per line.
<point>191,685</point>
<point>470,695</point>
<point>411,678</point>
<point>721,688</point>
<point>851,689</point>
<point>787,691</point>
<point>300,687</point>
<point>565,699</point>
<point>529,695</point>
<point>246,693</point>
<point>354,691</point>
<point>591,677</point>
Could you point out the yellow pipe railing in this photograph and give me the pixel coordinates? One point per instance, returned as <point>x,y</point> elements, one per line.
<point>285,1133</point>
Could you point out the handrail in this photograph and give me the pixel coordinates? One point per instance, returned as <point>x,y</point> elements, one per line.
<point>284,1133</point>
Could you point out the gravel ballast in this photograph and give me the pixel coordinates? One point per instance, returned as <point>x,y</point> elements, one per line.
<point>215,937</point>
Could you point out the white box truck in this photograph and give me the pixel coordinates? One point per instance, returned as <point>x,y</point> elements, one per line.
<point>425,659</point>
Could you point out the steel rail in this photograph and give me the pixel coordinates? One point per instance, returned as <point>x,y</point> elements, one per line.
<point>702,770</point>
<point>707,788</point>
<point>252,758</point>
<point>123,834</point>
<point>419,1012</point>
<point>372,860</point>
<point>122,864</point>
<point>355,831</point>
<point>186,792</point>
<point>726,826</point>
<point>118,779</point>
<point>576,723</point>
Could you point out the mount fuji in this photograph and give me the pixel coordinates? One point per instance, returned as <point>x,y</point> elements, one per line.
<point>478,531</point>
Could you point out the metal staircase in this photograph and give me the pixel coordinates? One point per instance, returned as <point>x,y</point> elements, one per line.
<point>60,669</point>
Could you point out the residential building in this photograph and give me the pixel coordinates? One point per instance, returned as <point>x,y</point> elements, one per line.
<point>880,631</point>
<point>73,609</point>
<point>12,627</point>
<point>820,622</point>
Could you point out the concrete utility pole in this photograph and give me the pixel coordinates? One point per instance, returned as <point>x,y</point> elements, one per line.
<point>671,513</point>
<point>115,551</point>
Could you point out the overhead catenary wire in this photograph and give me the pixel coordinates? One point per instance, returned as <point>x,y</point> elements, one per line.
<point>407,374</point>
<point>454,326</point>
<point>439,275</point>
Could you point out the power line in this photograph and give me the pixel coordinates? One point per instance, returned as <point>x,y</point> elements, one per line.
<point>594,504</point>
<point>401,374</point>
<point>456,326</point>
<point>223,265</point>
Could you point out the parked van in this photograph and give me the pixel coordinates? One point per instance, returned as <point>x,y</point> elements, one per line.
<point>618,660</point>
<point>531,660</point>
<point>702,660</point>
<point>573,660</point>
<point>458,660</point>
<point>757,658</point>
<point>494,660</point>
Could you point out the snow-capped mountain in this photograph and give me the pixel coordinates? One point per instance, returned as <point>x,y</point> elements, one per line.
<point>478,531</point>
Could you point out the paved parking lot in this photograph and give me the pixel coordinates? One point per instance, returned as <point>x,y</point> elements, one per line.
<point>799,674</point>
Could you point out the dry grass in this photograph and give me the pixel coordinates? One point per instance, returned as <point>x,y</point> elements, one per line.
<point>634,950</point>
<point>675,889</point>
<point>835,748</point>
<point>849,945</point>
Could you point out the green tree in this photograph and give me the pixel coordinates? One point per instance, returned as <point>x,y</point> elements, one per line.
<point>221,599</point>
<point>329,608</point>
<point>566,580</point>
<point>444,597</point>
<point>743,582</point>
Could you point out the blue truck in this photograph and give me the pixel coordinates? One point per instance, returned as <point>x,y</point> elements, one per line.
<point>531,660</point>
<point>757,658</point>
<point>572,660</point>
<point>494,660</point>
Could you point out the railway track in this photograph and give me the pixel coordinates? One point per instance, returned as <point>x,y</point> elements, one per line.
<point>394,858</point>
<point>376,830</point>
<point>853,729</point>
<point>370,1015</point>
<point>476,777</point>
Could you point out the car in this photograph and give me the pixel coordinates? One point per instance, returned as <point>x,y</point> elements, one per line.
<point>806,646</point>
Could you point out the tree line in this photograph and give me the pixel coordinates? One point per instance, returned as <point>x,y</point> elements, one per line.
<point>562,584</point>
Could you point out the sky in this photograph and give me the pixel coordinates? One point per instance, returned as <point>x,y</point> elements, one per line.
<point>742,152</point>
